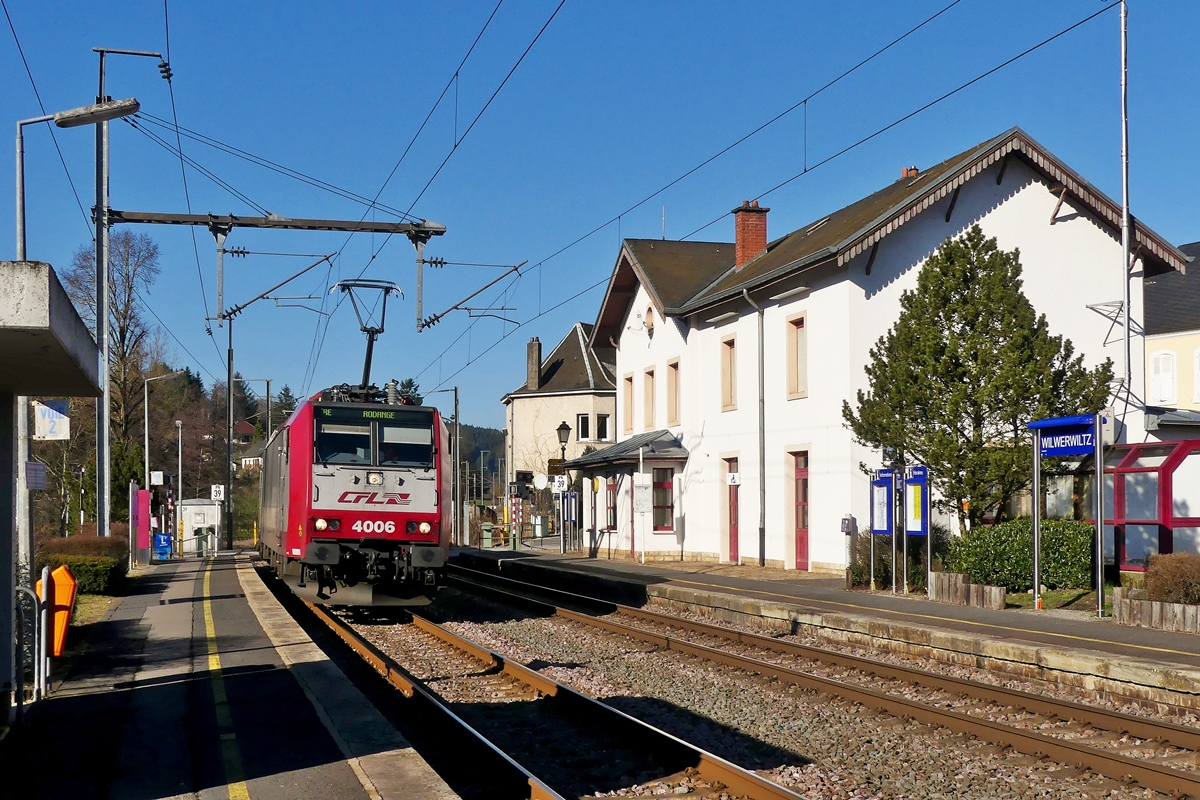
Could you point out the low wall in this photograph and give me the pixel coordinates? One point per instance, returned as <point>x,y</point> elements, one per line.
<point>1141,613</point>
<point>953,588</point>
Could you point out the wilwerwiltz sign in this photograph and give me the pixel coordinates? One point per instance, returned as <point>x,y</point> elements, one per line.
<point>1067,436</point>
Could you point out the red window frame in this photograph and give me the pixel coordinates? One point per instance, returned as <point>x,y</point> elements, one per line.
<point>668,488</point>
<point>1165,520</point>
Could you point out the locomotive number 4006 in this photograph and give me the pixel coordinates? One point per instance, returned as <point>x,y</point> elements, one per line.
<point>373,526</point>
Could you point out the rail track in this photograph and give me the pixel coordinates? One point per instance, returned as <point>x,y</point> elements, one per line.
<point>544,740</point>
<point>1066,732</point>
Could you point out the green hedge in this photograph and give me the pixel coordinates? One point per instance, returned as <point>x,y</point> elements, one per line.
<point>94,574</point>
<point>1002,555</point>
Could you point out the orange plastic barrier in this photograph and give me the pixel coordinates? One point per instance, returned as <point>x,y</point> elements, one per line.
<point>63,585</point>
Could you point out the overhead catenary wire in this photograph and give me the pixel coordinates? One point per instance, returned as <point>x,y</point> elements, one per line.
<point>167,75</point>
<point>316,355</point>
<point>914,113</point>
<point>87,221</point>
<point>828,159</point>
<point>266,163</point>
<point>196,165</point>
<point>802,103</point>
<point>171,333</point>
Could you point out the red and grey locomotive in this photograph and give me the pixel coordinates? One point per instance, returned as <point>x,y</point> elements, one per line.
<point>356,499</point>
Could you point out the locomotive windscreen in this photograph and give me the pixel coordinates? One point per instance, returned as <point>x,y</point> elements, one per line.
<point>342,443</point>
<point>385,437</point>
<point>405,445</point>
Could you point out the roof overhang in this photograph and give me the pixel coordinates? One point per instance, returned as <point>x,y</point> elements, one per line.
<point>1159,254</point>
<point>656,446</point>
<point>1157,418</point>
<point>45,348</point>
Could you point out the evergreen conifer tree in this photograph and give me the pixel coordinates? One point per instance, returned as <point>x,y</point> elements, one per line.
<point>966,365</point>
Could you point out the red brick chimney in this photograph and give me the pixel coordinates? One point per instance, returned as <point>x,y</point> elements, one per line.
<point>750,227</point>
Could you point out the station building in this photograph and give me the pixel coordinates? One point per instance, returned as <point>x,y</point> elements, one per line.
<point>707,332</point>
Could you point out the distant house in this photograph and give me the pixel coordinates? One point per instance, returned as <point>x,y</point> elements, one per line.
<point>733,358</point>
<point>244,432</point>
<point>1173,346</point>
<point>251,462</point>
<point>574,384</point>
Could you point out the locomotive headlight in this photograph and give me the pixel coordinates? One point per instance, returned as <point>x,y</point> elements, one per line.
<point>424,527</point>
<point>375,479</point>
<point>320,524</point>
<point>334,524</point>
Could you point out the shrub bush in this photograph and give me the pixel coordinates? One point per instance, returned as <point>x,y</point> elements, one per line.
<point>1174,578</point>
<point>94,574</point>
<point>860,561</point>
<point>1002,555</point>
<point>110,547</point>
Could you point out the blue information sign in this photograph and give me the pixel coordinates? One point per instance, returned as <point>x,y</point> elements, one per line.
<point>916,502</point>
<point>882,502</point>
<point>1067,436</point>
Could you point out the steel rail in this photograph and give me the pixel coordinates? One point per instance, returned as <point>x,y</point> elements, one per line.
<point>1113,765</point>
<point>411,687</point>
<point>709,766</point>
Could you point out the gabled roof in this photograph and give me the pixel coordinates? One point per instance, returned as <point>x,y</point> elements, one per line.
<point>704,271</point>
<point>573,368</point>
<point>660,445</point>
<point>671,271</point>
<point>1172,300</point>
<point>852,230</point>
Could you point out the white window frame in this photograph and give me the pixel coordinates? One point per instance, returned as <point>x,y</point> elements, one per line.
<point>1157,395</point>
<point>797,335</point>
<point>728,394</point>
<point>607,425</point>
<point>581,421</point>
<point>1196,375</point>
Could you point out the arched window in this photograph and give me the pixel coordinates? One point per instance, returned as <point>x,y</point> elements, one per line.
<point>1162,377</point>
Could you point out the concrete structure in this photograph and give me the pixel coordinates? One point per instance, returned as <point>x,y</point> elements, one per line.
<point>45,349</point>
<point>1173,347</point>
<point>573,384</point>
<point>201,526</point>
<point>747,351</point>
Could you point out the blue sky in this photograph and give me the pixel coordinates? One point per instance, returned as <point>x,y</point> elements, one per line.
<point>615,100</point>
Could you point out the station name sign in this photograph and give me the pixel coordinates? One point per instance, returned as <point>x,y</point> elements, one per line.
<point>1067,436</point>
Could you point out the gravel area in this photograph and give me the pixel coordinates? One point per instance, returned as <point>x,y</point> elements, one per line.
<point>817,745</point>
<point>1067,729</point>
<point>570,752</point>
<point>1124,705</point>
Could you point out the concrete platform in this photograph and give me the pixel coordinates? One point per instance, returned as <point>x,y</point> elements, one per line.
<point>200,685</point>
<point>1157,667</point>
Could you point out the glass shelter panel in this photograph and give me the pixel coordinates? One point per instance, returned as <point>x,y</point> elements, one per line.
<point>1187,540</point>
<point>1185,487</point>
<point>1141,542</point>
<point>1141,495</point>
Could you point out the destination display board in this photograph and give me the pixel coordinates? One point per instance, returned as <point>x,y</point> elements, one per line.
<point>405,415</point>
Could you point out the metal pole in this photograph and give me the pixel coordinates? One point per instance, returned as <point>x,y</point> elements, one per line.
<point>269,428</point>
<point>1037,518</point>
<point>457,518</point>
<point>146,430</point>
<point>24,528</point>
<point>228,504</point>
<point>175,535</point>
<point>104,410</point>
<point>897,515</point>
<point>1098,438</point>
<point>1125,234</point>
<point>44,612</point>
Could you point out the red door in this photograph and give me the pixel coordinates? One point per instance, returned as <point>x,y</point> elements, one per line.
<point>801,510</point>
<point>732,465</point>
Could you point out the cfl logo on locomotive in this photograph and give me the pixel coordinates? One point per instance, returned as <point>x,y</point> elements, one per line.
<point>371,498</point>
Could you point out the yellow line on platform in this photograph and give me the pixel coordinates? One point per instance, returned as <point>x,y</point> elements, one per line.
<point>230,754</point>
<point>800,600</point>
